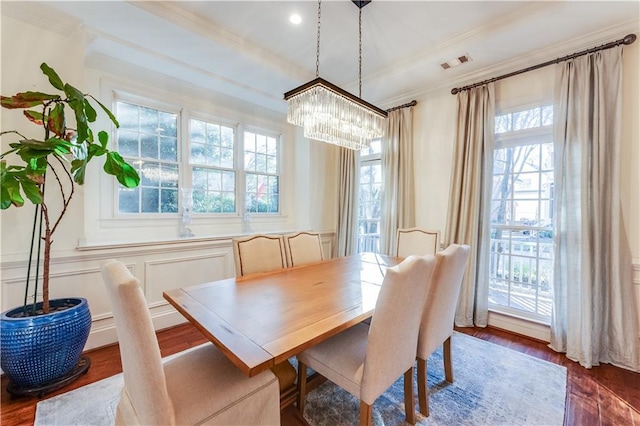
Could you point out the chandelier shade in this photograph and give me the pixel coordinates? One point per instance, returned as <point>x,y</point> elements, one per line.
<point>332,115</point>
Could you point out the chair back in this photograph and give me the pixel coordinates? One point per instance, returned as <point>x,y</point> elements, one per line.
<point>258,253</point>
<point>302,248</point>
<point>145,386</point>
<point>442,298</point>
<point>417,241</point>
<point>393,333</point>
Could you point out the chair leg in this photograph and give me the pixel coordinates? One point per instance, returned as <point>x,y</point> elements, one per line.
<point>366,414</point>
<point>423,388</point>
<point>302,386</point>
<point>446,356</point>
<point>409,405</point>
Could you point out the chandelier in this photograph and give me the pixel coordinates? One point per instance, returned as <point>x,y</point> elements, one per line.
<point>330,114</point>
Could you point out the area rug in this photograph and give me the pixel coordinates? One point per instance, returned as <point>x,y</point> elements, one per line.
<point>493,386</point>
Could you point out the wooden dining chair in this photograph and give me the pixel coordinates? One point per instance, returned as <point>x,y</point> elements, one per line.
<point>367,360</point>
<point>196,387</point>
<point>436,327</point>
<point>258,253</point>
<point>302,248</point>
<point>417,241</point>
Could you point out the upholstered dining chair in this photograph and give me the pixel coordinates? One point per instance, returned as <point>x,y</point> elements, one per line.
<point>417,241</point>
<point>198,386</point>
<point>302,248</point>
<point>366,360</point>
<point>264,253</point>
<point>258,253</point>
<point>436,326</point>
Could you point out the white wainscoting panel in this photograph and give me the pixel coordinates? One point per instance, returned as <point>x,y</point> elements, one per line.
<point>167,274</point>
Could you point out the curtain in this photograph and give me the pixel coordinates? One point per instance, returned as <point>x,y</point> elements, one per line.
<point>594,317</point>
<point>347,228</point>
<point>470,184</point>
<point>398,196</point>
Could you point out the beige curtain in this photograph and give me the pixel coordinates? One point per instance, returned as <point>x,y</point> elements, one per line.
<point>348,180</point>
<point>398,196</point>
<point>594,316</point>
<point>467,219</point>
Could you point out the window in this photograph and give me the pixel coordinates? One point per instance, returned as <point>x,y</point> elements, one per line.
<point>225,170</point>
<point>521,257</point>
<point>261,167</point>
<point>369,198</point>
<point>212,153</point>
<point>148,139</point>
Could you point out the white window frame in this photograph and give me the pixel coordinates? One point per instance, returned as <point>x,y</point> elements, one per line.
<point>537,135</point>
<point>243,173</point>
<point>368,160</point>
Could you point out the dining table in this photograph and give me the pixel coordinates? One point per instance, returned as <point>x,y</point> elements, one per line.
<point>261,320</point>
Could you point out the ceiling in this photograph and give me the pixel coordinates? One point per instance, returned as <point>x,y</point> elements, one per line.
<point>250,50</point>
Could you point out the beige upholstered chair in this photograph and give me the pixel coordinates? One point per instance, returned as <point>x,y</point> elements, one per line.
<point>302,248</point>
<point>258,253</point>
<point>264,253</point>
<point>437,319</point>
<point>199,386</point>
<point>417,241</point>
<point>365,361</point>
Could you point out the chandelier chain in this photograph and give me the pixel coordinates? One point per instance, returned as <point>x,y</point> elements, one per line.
<point>360,53</point>
<point>318,43</point>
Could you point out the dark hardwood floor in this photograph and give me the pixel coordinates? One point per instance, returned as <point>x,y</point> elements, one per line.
<point>603,395</point>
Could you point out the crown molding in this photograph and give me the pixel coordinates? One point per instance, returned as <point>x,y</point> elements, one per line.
<point>42,16</point>
<point>528,59</point>
<point>172,12</point>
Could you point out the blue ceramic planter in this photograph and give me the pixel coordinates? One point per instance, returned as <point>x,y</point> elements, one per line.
<point>40,349</point>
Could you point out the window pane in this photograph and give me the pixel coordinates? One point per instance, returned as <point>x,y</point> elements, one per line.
<point>128,117</point>
<point>168,149</point>
<point>169,201</point>
<point>128,144</point>
<point>150,200</point>
<point>149,120</point>
<point>128,200</point>
<point>503,123</point>
<point>526,119</point>
<point>149,146</point>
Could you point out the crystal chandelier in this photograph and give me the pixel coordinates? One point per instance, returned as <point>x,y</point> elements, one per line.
<point>330,114</point>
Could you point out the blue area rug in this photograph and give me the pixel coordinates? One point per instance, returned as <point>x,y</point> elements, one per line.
<point>493,386</point>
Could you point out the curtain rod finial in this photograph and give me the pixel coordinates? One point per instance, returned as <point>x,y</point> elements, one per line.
<point>455,91</point>
<point>629,39</point>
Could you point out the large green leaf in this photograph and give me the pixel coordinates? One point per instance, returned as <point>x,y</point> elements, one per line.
<point>89,111</point>
<point>55,120</point>
<point>103,137</point>
<point>78,171</point>
<point>26,100</point>
<point>76,102</point>
<point>107,111</point>
<point>31,190</point>
<point>54,79</point>
<point>116,165</point>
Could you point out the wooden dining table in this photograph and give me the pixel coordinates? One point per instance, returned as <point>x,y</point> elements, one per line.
<point>262,320</point>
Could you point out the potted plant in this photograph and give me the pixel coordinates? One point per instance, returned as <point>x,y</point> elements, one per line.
<point>41,342</point>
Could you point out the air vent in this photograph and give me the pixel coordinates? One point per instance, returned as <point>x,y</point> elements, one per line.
<point>455,62</point>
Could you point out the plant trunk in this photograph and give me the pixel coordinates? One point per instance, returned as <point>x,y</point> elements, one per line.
<point>45,271</point>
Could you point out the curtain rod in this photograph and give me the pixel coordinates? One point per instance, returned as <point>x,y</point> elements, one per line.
<point>410,104</point>
<point>629,39</point>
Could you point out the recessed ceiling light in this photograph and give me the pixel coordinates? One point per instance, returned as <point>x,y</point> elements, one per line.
<point>295,19</point>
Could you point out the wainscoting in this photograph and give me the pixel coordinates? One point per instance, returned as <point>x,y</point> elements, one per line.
<point>159,266</point>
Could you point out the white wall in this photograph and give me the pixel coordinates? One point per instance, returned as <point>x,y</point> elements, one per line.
<point>434,128</point>
<point>153,253</point>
